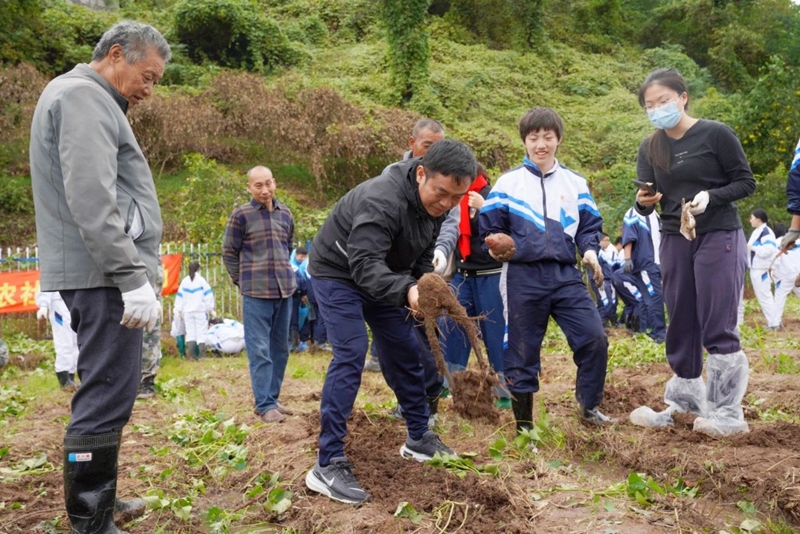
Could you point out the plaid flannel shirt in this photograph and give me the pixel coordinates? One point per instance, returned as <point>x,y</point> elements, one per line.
<point>256,250</point>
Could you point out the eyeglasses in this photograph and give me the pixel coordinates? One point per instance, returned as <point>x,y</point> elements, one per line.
<point>661,103</point>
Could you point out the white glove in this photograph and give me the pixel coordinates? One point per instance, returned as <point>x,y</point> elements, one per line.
<point>590,260</point>
<point>179,315</point>
<point>142,309</point>
<point>699,204</point>
<point>41,314</point>
<point>439,262</point>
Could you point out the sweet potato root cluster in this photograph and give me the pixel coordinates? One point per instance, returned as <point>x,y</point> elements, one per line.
<point>471,389</point>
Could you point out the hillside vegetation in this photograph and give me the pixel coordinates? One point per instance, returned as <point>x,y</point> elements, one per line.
<point>326,91</point>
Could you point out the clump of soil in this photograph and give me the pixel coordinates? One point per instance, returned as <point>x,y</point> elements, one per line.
<point>472,389</point>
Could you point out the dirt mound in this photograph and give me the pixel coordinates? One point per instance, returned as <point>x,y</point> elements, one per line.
<point>477,501</point>
<point>472,392</point>
<point>623,399</point>
<point>474,399</point>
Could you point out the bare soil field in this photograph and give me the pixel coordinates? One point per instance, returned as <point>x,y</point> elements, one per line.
<point>206,464</point>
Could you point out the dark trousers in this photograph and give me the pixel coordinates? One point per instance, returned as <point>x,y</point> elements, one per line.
<point>303,332</point>
<point>535,292</point>
<point>319,333</point>
<point>109,362</point>
<point>628,292</point>
<point>606,301</point>
<point>702,281</point>
<point>345,309</point>
<point>480,295</point>
<point>652,314</point>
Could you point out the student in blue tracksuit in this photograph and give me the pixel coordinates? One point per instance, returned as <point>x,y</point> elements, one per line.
<point>793,192</point>
<point>299,326</point>
<point>606,294</point>
<point>641,237</point>
<point>366,259</point>
<point>533,220</point>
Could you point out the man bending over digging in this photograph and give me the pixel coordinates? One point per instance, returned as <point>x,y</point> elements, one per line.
<point>366,260</point>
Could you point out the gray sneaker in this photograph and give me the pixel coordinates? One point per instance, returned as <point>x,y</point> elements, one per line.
<point>372,365</point>
<point>423,449</point>
<point>337,481</point>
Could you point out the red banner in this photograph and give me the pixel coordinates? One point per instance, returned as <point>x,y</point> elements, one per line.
<point>18,289</point>
<point>172,273</point>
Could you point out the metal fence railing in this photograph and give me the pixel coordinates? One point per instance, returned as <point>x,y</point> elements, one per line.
<point>227,297</point>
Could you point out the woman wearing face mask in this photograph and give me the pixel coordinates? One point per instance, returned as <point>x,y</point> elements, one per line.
<point>702,163</point>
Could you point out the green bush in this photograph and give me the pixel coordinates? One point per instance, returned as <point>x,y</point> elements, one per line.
<point>768,119</point>
<point>233,33</point>
<point>70,34</point>
<point>20,22</point>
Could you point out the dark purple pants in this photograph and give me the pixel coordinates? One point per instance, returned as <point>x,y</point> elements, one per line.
<point>702,282</point>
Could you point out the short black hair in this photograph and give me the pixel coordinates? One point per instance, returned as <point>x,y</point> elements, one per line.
<point>300,250</point>
<point>541,118</point>
<point>451,158</point>
<point>760,214</point>
<point>780,229</point>
<point>618,241</point>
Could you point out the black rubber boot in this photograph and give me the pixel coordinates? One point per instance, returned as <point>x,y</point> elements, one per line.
<point>90,482</point>
<point>522,404</point>
<point>191,350</point>
<point>65,381</point>
<point>201,349</point>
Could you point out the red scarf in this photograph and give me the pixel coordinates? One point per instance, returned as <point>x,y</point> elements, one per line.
<point>464,225</point>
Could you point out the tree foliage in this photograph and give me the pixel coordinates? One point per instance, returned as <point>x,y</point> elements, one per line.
<point>768,117</point>
<point>409,53</point>
<point>232,33</point>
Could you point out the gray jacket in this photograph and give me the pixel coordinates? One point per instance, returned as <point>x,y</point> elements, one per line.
<point>98,223</point>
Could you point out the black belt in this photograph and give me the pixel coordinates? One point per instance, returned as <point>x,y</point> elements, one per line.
<point>469,273</point>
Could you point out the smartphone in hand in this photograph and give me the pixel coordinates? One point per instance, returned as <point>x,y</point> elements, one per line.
<point>644,185</point>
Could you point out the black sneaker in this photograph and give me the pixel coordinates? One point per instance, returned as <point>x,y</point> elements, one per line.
<point>337,481</point>
<point>423,449</point>
<point>596,417</point>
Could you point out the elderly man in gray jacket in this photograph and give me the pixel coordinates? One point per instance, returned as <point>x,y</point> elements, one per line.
<point>98,225</point>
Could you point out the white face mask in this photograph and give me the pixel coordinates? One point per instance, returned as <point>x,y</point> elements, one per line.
<point>666,116</point>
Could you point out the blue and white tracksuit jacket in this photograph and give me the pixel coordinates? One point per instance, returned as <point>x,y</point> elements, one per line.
<point>547,215</point>
<point>793,185</point>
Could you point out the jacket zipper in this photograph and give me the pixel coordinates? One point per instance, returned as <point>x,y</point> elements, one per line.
<point>544,210</point>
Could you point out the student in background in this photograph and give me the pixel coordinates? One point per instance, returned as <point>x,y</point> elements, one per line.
<point>194,303</point>
<point>762,248</point>
<point>65,340</point>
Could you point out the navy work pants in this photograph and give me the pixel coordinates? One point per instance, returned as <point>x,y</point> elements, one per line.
<point>345,309</point>
<point>702,281</point>
<point>535,292</point>
<point>109,361</point>
<point>649,283</point>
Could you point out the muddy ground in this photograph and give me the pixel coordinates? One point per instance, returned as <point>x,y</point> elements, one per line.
<point>576,483</point>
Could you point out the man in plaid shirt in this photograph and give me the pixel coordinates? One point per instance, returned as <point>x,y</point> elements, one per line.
<point>256,247</point>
